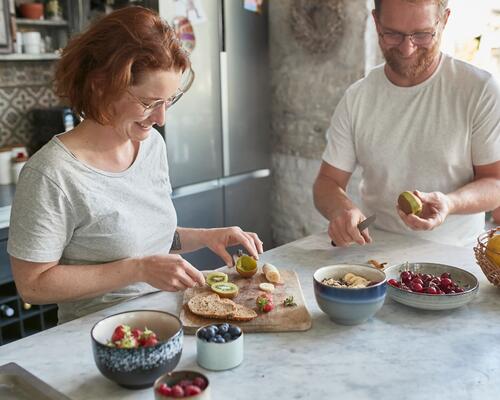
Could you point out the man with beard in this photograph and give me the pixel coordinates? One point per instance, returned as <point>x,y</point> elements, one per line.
<point>423,122</point>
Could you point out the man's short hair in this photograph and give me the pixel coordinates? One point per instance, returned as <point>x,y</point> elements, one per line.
<point>443,4</point>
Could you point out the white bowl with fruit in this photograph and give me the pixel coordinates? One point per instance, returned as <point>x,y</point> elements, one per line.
<point>430,286</point>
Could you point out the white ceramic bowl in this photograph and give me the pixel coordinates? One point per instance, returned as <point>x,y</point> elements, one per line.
<point>219,356</point>
<point>426,301</point>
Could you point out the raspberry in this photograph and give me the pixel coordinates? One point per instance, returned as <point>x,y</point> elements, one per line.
<point>191,390</point>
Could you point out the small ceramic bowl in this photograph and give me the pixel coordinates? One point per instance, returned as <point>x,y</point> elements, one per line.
<point>349,306</point>
<point>218,356</point>
<point>427,301</point>
<point>181,378</point>
<point>138,368</point>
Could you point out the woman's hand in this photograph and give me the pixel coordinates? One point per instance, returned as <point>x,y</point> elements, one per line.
<point>435,209</point>
<point>343,228</point>
<point>218,239</point>
<point>170,272</point>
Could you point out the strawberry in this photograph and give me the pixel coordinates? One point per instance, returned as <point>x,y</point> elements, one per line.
<point>137,333</point>
<point>265,302</point>
<point>148,336</point>
<point>268,307</point>
<point>128,342</point>
<point>120,332</point>
<point>164,390</point>
<point>149,342</point>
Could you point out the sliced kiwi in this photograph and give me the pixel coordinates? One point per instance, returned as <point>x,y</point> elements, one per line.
<point>225,289</point>
<point>246,266</point>
<point>216,277</point>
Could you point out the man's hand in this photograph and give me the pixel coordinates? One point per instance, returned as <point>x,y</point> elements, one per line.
<point>435,209</point>
<point>343,228</point>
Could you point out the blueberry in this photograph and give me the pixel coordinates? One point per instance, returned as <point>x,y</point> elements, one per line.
<point>203,333</point>
<point>213,339</point>
<point>219,339</point>
<point>211,332</point>
<point>223,328</point>
<point>234,330</point>
<point>227,337</point>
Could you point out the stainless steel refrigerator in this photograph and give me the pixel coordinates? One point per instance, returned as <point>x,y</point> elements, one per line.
<point>218,135</point>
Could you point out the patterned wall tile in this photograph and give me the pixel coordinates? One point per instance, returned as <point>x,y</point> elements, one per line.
<point>23,87</point>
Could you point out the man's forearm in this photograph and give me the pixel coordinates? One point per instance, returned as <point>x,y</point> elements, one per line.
<point>475,197</point>
<point>329,197</point>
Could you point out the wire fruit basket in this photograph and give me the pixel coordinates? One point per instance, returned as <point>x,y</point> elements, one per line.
<point>484,256</point>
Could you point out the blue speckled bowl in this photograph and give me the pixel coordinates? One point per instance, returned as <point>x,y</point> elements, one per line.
<point>138,368</point>
<point>350,306</point>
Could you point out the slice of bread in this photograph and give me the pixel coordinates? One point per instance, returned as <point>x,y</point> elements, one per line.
<point>243,313</point>
<point>211,306</point>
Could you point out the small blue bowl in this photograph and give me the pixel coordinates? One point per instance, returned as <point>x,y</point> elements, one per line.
<point>348,306</point>
<point>138,368</point>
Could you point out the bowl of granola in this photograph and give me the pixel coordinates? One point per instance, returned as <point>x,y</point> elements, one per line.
<point>349,293</point>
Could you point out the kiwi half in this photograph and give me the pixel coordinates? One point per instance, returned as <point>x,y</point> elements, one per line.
<point>246,266</point>
<point>225,289</point>
<point>216,277</point>
<point>409,203</point>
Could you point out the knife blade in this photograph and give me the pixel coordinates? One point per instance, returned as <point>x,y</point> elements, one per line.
<point>364,224</point>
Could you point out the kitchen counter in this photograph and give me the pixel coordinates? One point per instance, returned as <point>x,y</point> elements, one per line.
<point>401,353</point>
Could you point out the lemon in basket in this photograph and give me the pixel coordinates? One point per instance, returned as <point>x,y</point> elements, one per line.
<point>493,250</point>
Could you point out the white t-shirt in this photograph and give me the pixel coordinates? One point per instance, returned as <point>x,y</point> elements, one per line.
<point>426,137</point>
<point>68,211</point>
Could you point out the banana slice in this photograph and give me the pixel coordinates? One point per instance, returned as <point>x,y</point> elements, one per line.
<point>271,272</point>
<point>266,287</point>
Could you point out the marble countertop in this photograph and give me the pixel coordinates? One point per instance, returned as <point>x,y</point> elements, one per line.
<point>401,353</point>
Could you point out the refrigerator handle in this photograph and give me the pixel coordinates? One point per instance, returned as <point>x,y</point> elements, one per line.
<point>222,25</point>
<point>224,113</point>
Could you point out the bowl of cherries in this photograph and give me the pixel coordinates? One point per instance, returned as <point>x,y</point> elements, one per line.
<point>430,286</point>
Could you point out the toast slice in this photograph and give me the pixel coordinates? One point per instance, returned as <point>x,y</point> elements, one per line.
<point>211,306</point>
<point>243,313</point>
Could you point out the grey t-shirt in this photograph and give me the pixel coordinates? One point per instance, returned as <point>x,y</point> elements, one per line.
<point>70,212</point>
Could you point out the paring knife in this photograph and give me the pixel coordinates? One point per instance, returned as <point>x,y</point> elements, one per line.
<point>364,224</point>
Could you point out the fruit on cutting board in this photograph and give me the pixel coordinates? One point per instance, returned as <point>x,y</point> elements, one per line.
<point>246,266</point>
<point>409,203</point>
<point>493,250</point>
<point>272,273</point>
<point>266,287</point>
<point>216,277</point>
<point>225,289</point>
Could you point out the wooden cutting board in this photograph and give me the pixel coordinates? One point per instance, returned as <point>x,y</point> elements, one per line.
<point>280,319</point>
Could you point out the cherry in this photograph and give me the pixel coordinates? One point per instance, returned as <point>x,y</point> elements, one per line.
<point>445,275</point>
<point>446,282</point>
<point>393,282</point>
<point>416,287</point>
<point>417,280</point>
<point>431,290</point>
<point>406,276</point>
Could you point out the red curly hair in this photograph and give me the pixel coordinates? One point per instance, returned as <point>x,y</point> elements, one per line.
<point>99,64</point>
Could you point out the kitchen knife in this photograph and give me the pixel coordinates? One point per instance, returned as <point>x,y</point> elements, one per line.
<point>364,224</point>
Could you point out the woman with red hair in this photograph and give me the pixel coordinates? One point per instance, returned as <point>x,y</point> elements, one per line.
<point>92,222</point>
